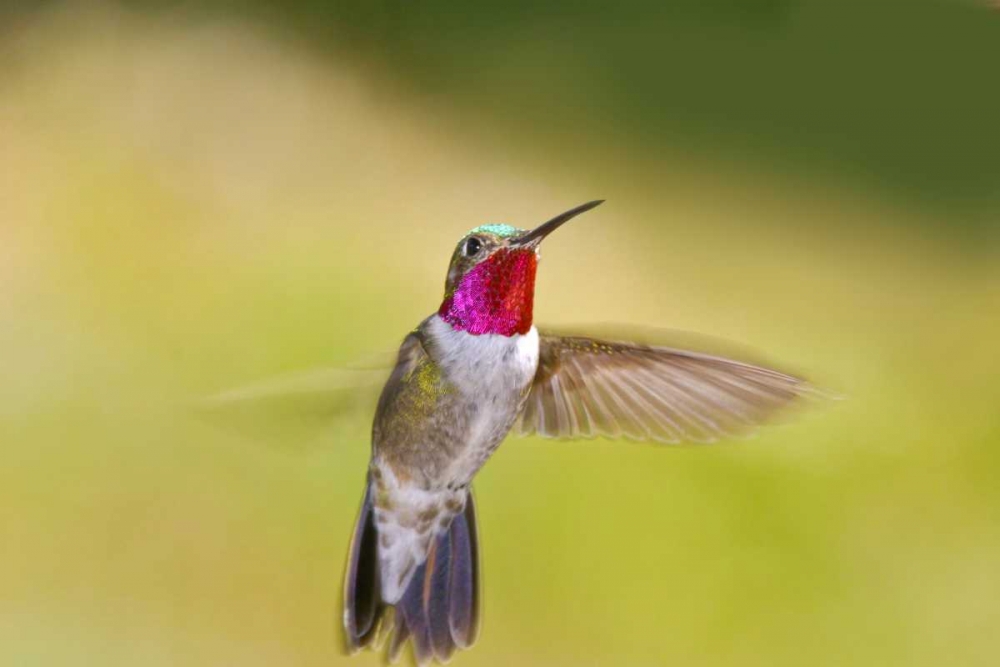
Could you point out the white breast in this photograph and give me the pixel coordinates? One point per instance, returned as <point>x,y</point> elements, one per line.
<point>475,363</point>
<point>493,372</point>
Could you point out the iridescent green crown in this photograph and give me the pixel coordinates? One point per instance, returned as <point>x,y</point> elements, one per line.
<point>497,229</point>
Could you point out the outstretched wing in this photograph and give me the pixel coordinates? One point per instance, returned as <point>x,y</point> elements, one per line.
<point>587,387</point>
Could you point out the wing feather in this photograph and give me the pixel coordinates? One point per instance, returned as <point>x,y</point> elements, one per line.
<point>600,420</point>
<point>588,387</point>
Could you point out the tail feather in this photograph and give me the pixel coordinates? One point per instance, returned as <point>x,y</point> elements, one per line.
<point>437,597</point>
<point>363,606</point>
<point>412,614</point>
<point>464,586</point>
<point>398,642</point>
<point>438,613</point>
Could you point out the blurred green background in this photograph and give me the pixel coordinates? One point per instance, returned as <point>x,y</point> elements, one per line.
<point>199,196</point>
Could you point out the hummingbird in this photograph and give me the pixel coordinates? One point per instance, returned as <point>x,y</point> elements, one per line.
<point>469,374</point>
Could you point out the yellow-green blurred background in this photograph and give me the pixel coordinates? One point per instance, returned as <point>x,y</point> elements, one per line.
<point>198,196</point>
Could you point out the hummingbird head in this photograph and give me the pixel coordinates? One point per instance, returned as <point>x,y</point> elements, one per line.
<point>490,288</point>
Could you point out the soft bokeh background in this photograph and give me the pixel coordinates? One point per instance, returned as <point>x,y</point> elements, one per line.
<point>199,196</point>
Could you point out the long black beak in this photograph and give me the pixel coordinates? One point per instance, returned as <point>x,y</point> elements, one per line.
<point>535,236</point>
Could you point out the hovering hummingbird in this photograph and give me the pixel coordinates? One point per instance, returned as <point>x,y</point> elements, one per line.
<point>465,377</point>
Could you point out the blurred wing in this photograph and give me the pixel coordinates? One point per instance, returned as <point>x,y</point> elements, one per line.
<point>298,407</point>
<point>586,387</point>
<point>332,383</point>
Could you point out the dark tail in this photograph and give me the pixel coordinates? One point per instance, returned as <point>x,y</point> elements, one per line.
<point>438,613</point>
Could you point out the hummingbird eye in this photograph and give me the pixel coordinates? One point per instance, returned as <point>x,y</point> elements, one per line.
<point>472,246</point>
